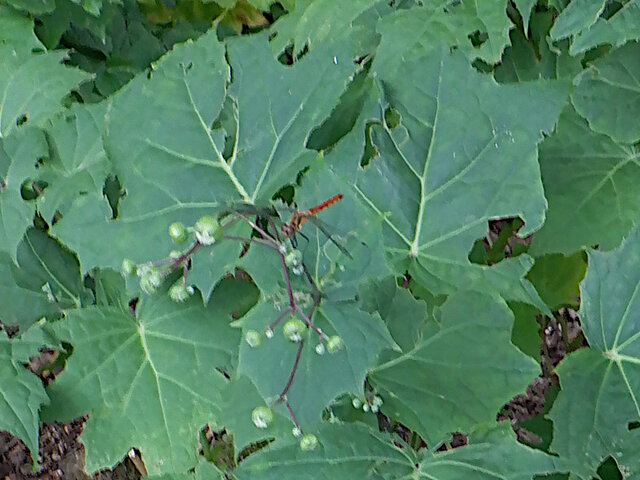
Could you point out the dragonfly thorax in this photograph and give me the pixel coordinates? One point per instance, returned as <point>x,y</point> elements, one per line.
<point>287,230</point>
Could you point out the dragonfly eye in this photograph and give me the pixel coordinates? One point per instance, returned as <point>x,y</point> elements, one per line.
<point>286,230</point>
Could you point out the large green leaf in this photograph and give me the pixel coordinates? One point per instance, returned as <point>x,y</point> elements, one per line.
<point>616,29</point>
<point>607,94</point>
<point>32,82</point>
<point>466,370</point>
<point>319,378</point>
<point>604,380</point>
<point>174,170</point>
<point>345,451</point>
<point>45,280</point>
<point>21,392</point>
<point>355,451</point>
<point>410,33</point>
<point>149,382</point>
<point>436,182</point>
<point>19,154</point>
<point>591,180</point>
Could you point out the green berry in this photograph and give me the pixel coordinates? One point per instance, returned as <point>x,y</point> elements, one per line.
<point>253,338</point>
<point>262,417</point>
<point>177,232</point>
<point>294,329</point>
<point>179,292</point>
<point>128,267</point>
<point>293,258</point>
<point>150,281</point>
<point>308,442</point>
<point>334,344</point>
<point>208,230</point>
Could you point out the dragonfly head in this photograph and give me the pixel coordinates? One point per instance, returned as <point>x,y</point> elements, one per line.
<point>287,230</point>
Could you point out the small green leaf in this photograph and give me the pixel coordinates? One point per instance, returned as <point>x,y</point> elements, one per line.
<point>590,181</point>
<point>404,316</point>
<point>617,29</point>
<point>414,32</point>
<point>32,83</point>
<point>18,156</point>
<point>607,92</point>
<point>557,279</point>
<point>21,392</point>
<point>579,16</point>
<point>45,281</point>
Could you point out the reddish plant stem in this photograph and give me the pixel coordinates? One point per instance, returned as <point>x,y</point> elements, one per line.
<point>266,243</point>
<point>257,228</point>
<point>177,260</point>
<point>285,272</point>
<point>294,369</point>
<point>316,293</point>
<point>280,317</point>
<point>309,323</point>
<point>293,417</point>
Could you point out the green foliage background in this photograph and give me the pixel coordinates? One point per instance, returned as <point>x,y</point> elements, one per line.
<point>432,118</point>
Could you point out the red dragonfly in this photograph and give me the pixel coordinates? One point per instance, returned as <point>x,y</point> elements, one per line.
<point>299,217</point>
<point>297,220</point>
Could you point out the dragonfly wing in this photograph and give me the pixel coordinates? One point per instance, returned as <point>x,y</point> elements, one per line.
<point>323,228</point>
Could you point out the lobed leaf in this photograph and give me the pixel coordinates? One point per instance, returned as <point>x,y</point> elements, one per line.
<point>466,370</point>
<point>604,380</point>
<point>436,183</point>
<point>590,179</point>
<point>19,154</point>
<point>77,163</point>
<point>616,29</point>
<point>356,451</point>
<point>176,171</point>
<point>415,32</point>
<point>124,372</point>
<point>44,281</point>
<point>33,82</point>
<point>21,392</point>
<point>606,94</point>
